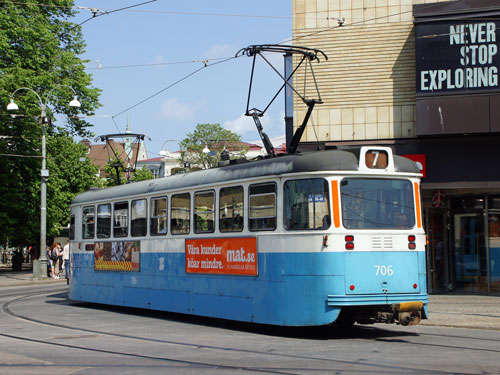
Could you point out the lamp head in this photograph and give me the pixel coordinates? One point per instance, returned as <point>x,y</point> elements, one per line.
<point>75,103</point>
<point>206,150</point>
<point>12,106</point>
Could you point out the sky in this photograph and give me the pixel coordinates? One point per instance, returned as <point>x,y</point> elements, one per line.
<point>145,50</point>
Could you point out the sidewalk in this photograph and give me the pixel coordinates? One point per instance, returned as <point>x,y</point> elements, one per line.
<point>445,310</point>
<point>9,278</point>
<point>464,311</point>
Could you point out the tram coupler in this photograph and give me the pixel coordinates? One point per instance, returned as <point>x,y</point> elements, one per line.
<point>409,313</point>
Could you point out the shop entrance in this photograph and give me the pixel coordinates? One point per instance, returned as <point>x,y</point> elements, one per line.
<point>463,252</point>
<point>437,253</point>
<point>494,249</point>
<point>470,252</point>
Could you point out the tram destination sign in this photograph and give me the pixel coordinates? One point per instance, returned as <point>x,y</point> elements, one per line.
<point>227,256</point>
<point>457,57</point>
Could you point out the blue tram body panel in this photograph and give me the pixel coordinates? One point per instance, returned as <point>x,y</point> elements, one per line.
<point>296,289</point>
<point>272,297</point>
<point>381,272</point>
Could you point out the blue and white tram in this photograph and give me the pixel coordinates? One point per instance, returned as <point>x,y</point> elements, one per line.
<point>297,240</point>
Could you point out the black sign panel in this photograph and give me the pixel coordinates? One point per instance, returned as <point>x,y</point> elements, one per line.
<point>457,57</point>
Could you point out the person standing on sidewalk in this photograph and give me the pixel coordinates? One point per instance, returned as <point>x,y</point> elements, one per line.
<point>55,256</point>
<point>60,256</point>
<point>66,260</point>
<point>50,260</point>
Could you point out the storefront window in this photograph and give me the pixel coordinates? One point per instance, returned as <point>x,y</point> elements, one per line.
<point>494,250</point>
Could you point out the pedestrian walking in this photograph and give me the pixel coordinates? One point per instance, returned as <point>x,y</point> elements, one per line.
<point>50,261</point>
<point>66,260</point>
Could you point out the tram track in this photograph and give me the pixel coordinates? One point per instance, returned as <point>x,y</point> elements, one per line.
<point>236,352</point>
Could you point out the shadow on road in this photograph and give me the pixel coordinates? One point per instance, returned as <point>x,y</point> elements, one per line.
<point>310,333</point>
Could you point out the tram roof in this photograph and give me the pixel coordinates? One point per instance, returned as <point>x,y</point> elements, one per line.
<point>327,160</point>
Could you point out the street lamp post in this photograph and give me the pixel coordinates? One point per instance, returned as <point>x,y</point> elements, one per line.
<point>166,154</point>
<point>40,265</point>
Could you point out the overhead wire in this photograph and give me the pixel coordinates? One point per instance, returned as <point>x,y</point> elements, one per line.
<point>158,64</point>
<point>104,11</point>
<point>210,14</point>
<point>428,6</point>
<point>95,14</point>
<point>127,9</point>
<point>172,85</point>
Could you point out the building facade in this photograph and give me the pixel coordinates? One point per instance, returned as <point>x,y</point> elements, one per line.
<point>421,77</point>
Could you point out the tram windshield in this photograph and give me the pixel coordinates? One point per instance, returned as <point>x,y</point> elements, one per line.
<point>377,203</point>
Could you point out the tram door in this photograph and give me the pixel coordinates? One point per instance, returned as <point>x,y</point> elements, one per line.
<point>469,251</point>
<point>437,251</point>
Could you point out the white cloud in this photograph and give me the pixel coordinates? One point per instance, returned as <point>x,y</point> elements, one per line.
<point>244,124</point>
<point>276,141</point>
<point>220,51</point>
<point>173,109</point>
<point>160,61</point>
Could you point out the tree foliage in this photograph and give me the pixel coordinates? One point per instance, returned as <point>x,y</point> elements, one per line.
<point>115,173</point>
<point>70,173</point>
<point>40,49</point>
<point>216,139</point>
<point>142,174</point>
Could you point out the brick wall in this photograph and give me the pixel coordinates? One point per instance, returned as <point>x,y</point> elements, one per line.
<point>368,83</point>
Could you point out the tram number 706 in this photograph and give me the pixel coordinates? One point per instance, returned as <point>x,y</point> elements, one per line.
<point>384,270</point>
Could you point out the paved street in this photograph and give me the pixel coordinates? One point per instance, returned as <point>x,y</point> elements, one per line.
<point>41,332</point>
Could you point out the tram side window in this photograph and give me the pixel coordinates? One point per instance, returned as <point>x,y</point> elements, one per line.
<point>72,227</point>
<point>88,222</point>
<point>231,209</point>
<point>120,222</point>
<point>138,218</point>
<point>306,204</point>
<point>204,212</point>
<point>104,221</point>
<point>158,222</point>
<point>180,211</point>
<point>262,202</point>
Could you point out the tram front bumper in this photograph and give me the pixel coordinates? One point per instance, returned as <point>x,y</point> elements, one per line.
<point>405,309</point>
<point>409,313</point>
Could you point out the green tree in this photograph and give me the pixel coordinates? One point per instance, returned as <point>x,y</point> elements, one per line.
<point>216,139</point>
<point>40,49</point>
<point>142,174</point>
<point>114,166</point>
<point>71,172</point>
